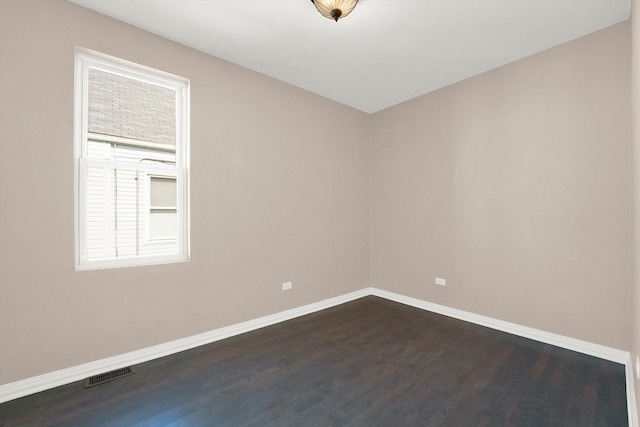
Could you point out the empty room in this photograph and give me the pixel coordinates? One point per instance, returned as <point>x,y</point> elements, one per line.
<point>319,213</point>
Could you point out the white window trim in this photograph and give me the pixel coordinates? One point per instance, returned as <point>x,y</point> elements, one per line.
<point>84,59</point>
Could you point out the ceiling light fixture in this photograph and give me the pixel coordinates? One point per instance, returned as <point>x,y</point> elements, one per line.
<point>334,9</point>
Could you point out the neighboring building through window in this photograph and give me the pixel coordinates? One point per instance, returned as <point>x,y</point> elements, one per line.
<point>131,164</point>
<point>163,212</point>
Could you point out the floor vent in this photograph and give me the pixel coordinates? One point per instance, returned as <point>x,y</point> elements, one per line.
<point>107,376</point>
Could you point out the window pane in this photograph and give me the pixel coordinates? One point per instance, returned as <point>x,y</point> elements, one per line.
<point>118,218</point>
<point>163,192</point>
<point>163,218</point>
<point>104,150</point>
<point>125,107</point>
<point>163,224</point>
<point>115,212</point>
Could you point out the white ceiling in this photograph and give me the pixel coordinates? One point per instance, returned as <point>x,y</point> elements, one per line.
<point>385,52</point>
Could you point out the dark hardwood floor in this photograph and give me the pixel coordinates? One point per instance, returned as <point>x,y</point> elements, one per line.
<point>370,362</point>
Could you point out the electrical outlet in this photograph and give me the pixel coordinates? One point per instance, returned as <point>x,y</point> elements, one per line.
<point>638,367</point>
<point>286,286</point>
<point>441,282</point>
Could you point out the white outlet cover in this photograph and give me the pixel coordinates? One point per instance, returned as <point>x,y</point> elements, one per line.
<point>638,367</point>
<point>441,282</point>
<point>287,286</point>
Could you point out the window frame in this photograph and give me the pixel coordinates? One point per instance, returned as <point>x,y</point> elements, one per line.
<point>84,60</point>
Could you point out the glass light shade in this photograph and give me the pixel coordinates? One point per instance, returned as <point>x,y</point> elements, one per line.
<point>335,9</point>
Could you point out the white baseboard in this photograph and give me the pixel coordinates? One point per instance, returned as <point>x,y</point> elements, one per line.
<point>580,346</point>
<point>632,407</point>
<point>76,373</point>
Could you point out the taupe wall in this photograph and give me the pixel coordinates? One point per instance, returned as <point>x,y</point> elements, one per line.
<point>635,289</point>
<point>279,192</point>
<point>514,186</point>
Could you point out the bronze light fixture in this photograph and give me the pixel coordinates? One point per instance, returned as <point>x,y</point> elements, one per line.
<point>334,9</point>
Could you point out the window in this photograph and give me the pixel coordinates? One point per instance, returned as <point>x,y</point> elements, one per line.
<point>131,149</point>
<point>162,208</point>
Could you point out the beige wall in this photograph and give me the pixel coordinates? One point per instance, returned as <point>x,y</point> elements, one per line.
<point>279,191</point>
<point>514,186</point>
<point>635,288</point>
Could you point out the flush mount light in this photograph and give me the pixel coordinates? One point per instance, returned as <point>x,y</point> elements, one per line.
<point>334,9</point>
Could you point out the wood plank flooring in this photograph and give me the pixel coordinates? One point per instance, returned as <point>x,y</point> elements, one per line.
<point>370,362</point>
